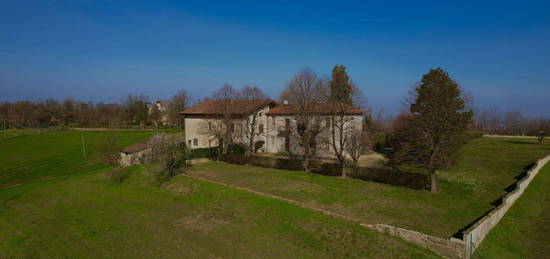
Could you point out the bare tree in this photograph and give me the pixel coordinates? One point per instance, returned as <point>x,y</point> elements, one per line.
<point>251,95</point>
<point>303,93</point>
<point>169,151</point>
<point>155,115</point>
<point>225,97</point>
<point>358,143</point>
<point>341,119</point>
<point>180,101</point>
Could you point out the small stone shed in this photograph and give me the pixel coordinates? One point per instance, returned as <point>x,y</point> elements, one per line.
<point>133,154</point>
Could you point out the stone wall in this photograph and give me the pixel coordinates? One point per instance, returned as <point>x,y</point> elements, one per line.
<point>449,248</point>
<point>132,159</point>
<point>474,235</point>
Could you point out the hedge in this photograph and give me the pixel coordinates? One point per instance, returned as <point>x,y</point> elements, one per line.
<point>210,153</point>
<point>391,176</point>
<point>380,175</point>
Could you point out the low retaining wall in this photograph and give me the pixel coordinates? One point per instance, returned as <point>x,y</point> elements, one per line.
<point>449,248</point>
<point>477,232</point>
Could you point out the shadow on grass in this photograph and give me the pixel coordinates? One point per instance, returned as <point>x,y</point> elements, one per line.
<point>498,201</point>
<point>522,142</point>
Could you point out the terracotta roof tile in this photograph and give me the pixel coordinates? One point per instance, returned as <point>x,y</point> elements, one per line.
<point>286,109</point>
<point>134,148</point>
<point>219,107</point>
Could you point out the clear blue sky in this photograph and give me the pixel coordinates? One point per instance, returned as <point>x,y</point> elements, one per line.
<point>499,51</point>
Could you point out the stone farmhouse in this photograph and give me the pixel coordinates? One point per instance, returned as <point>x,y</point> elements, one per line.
<point>274,125</point>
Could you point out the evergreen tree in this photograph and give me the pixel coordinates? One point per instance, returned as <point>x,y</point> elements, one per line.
<point>439,118</point>
<point>340,85</point>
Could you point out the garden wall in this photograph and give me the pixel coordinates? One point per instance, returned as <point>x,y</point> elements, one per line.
<point>449,248</point>
<point>475,234</point>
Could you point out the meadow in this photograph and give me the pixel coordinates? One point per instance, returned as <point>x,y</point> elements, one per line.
<point>54,202</point>
<point>467,190</point>
<point>523,231</point>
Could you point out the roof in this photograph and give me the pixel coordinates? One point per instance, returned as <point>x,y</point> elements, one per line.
<point>237,107</point>
<point>134,148</point>
<point>324,108</point>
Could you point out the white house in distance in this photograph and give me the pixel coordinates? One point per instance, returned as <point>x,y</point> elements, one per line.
<point>272,123</point>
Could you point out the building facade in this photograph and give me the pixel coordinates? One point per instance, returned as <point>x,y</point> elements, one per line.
<point>275,128</point>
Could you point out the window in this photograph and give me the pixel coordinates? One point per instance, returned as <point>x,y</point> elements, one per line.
<point>189,142</point>
<point>261,128</point>
<point>328,122</point>
<point>272,140</point>
<point>209,126</point>
<point>195,142</point>
<point>273,121</point>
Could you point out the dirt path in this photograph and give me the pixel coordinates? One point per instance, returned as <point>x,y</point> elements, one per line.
<point>447,248</point>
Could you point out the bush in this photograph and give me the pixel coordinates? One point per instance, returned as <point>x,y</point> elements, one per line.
<point>391,176</point>
<point>169,151</point>
<point>328,169</point>
<point>210,153</point>
<point>106,149</point>
<point>235,159</point>
<point>237,149</point>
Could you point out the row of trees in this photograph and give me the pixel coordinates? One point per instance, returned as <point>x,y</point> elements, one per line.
<point>491,121</point>
<point>135,110</point>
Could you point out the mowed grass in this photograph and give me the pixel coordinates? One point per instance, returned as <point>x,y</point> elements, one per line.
<point>55,155</point>
<point>524,231</point>
<point>466,191</point>
<point>80,213</point>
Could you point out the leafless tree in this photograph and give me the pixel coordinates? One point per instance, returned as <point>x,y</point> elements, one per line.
<point>168,150</point>
<point>225,97</point>
<point>303,93</point>
<point>340,119</point>
<point>180,101</point>
<point>358,143</point>
<point>251,95</point>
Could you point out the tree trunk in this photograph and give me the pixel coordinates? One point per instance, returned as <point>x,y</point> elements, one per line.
<point>433,184</point>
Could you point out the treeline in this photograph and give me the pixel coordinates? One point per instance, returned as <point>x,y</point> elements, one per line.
<point>491,121</point>
<point>134,111</point>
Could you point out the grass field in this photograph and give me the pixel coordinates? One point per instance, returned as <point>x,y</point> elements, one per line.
<point>55,155</point>
<point>54,203</point>
<point>466,190</point>
<point>524,231</point>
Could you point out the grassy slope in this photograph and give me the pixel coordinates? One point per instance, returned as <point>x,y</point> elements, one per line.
<point>524,230</point>
<point>80,214</point>
<point>466,190</point>
<point>31,158</point>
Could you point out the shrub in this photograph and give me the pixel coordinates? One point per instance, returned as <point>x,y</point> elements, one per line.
<point>169,151</point>
<point>210,153</point>
<point>328,169</point>
<point>235,159</point>
<point>237,149</point>
<point>391,176</point>
<point>106,149</point>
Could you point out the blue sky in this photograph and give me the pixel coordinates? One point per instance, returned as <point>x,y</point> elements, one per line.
<point>499,51</point>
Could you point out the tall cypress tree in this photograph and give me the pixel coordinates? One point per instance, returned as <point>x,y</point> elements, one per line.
<point>340,86</point>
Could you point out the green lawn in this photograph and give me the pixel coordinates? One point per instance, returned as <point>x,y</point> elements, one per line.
<point>54,203</point>
<point>466,191</point>
<point>524,232</point>
<point>55,155</point>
